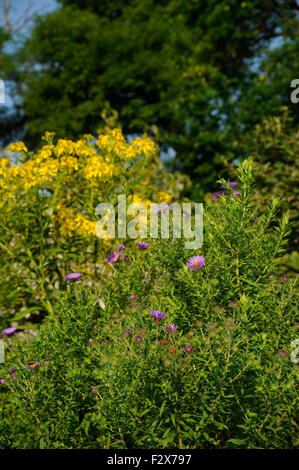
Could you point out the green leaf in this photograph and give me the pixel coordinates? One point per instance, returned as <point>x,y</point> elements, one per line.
<point>22,314</point>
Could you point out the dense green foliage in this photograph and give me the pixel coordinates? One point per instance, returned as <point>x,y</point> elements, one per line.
<point>98,386</point>
<point>201,72</point>
<point>48,201</point>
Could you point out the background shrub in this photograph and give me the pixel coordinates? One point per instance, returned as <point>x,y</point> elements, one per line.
<point>109,376</point>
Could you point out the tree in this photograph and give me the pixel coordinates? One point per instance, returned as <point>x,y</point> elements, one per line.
<point>274,145</point>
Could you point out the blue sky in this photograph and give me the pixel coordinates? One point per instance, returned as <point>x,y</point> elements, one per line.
<point>16,14</point>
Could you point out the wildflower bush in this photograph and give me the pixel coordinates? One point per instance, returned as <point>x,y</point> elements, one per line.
<point>48,201</point>
<point>182,348</point>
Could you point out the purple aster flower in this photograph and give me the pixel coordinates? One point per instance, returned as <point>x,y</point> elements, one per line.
<point>271,276</point>
<point>231,184</point>
<point>188,349</point>
<point>158,315</point>
<point>285,278</point>
<point>142,245</point>
<point>126,258</point>
<point>113,257</point>
<point>11,371</point>
<point>171,328</point>
<point>138,338</point>
<point>217,195</point>
<point>47,362</point>
<point>132,296</point>
<point>13,377</point>
<point>73,276</point>
<point>121,247</point>
<point>116,258</point>
<point>282,352</point>
<point>32,366</point>
<point>2,381</point>
<point>235,193</point>
<point>196,262</point>
<point>110,256</point>
<point>90,340</point>
<point>9,331</point>
<point>130,331</point>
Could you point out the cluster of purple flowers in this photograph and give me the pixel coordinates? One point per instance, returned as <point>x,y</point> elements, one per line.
<point>13,377</point>
<point>217,195</point>
<point>230,184</point>
<point>130,331</point>
<point>142,245</point>
<point>32,366</point>
<point>188,349</point>
<point>171,328</point>
<point>161,207</point>
<point>282,352</point>
<point>115,255</point>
